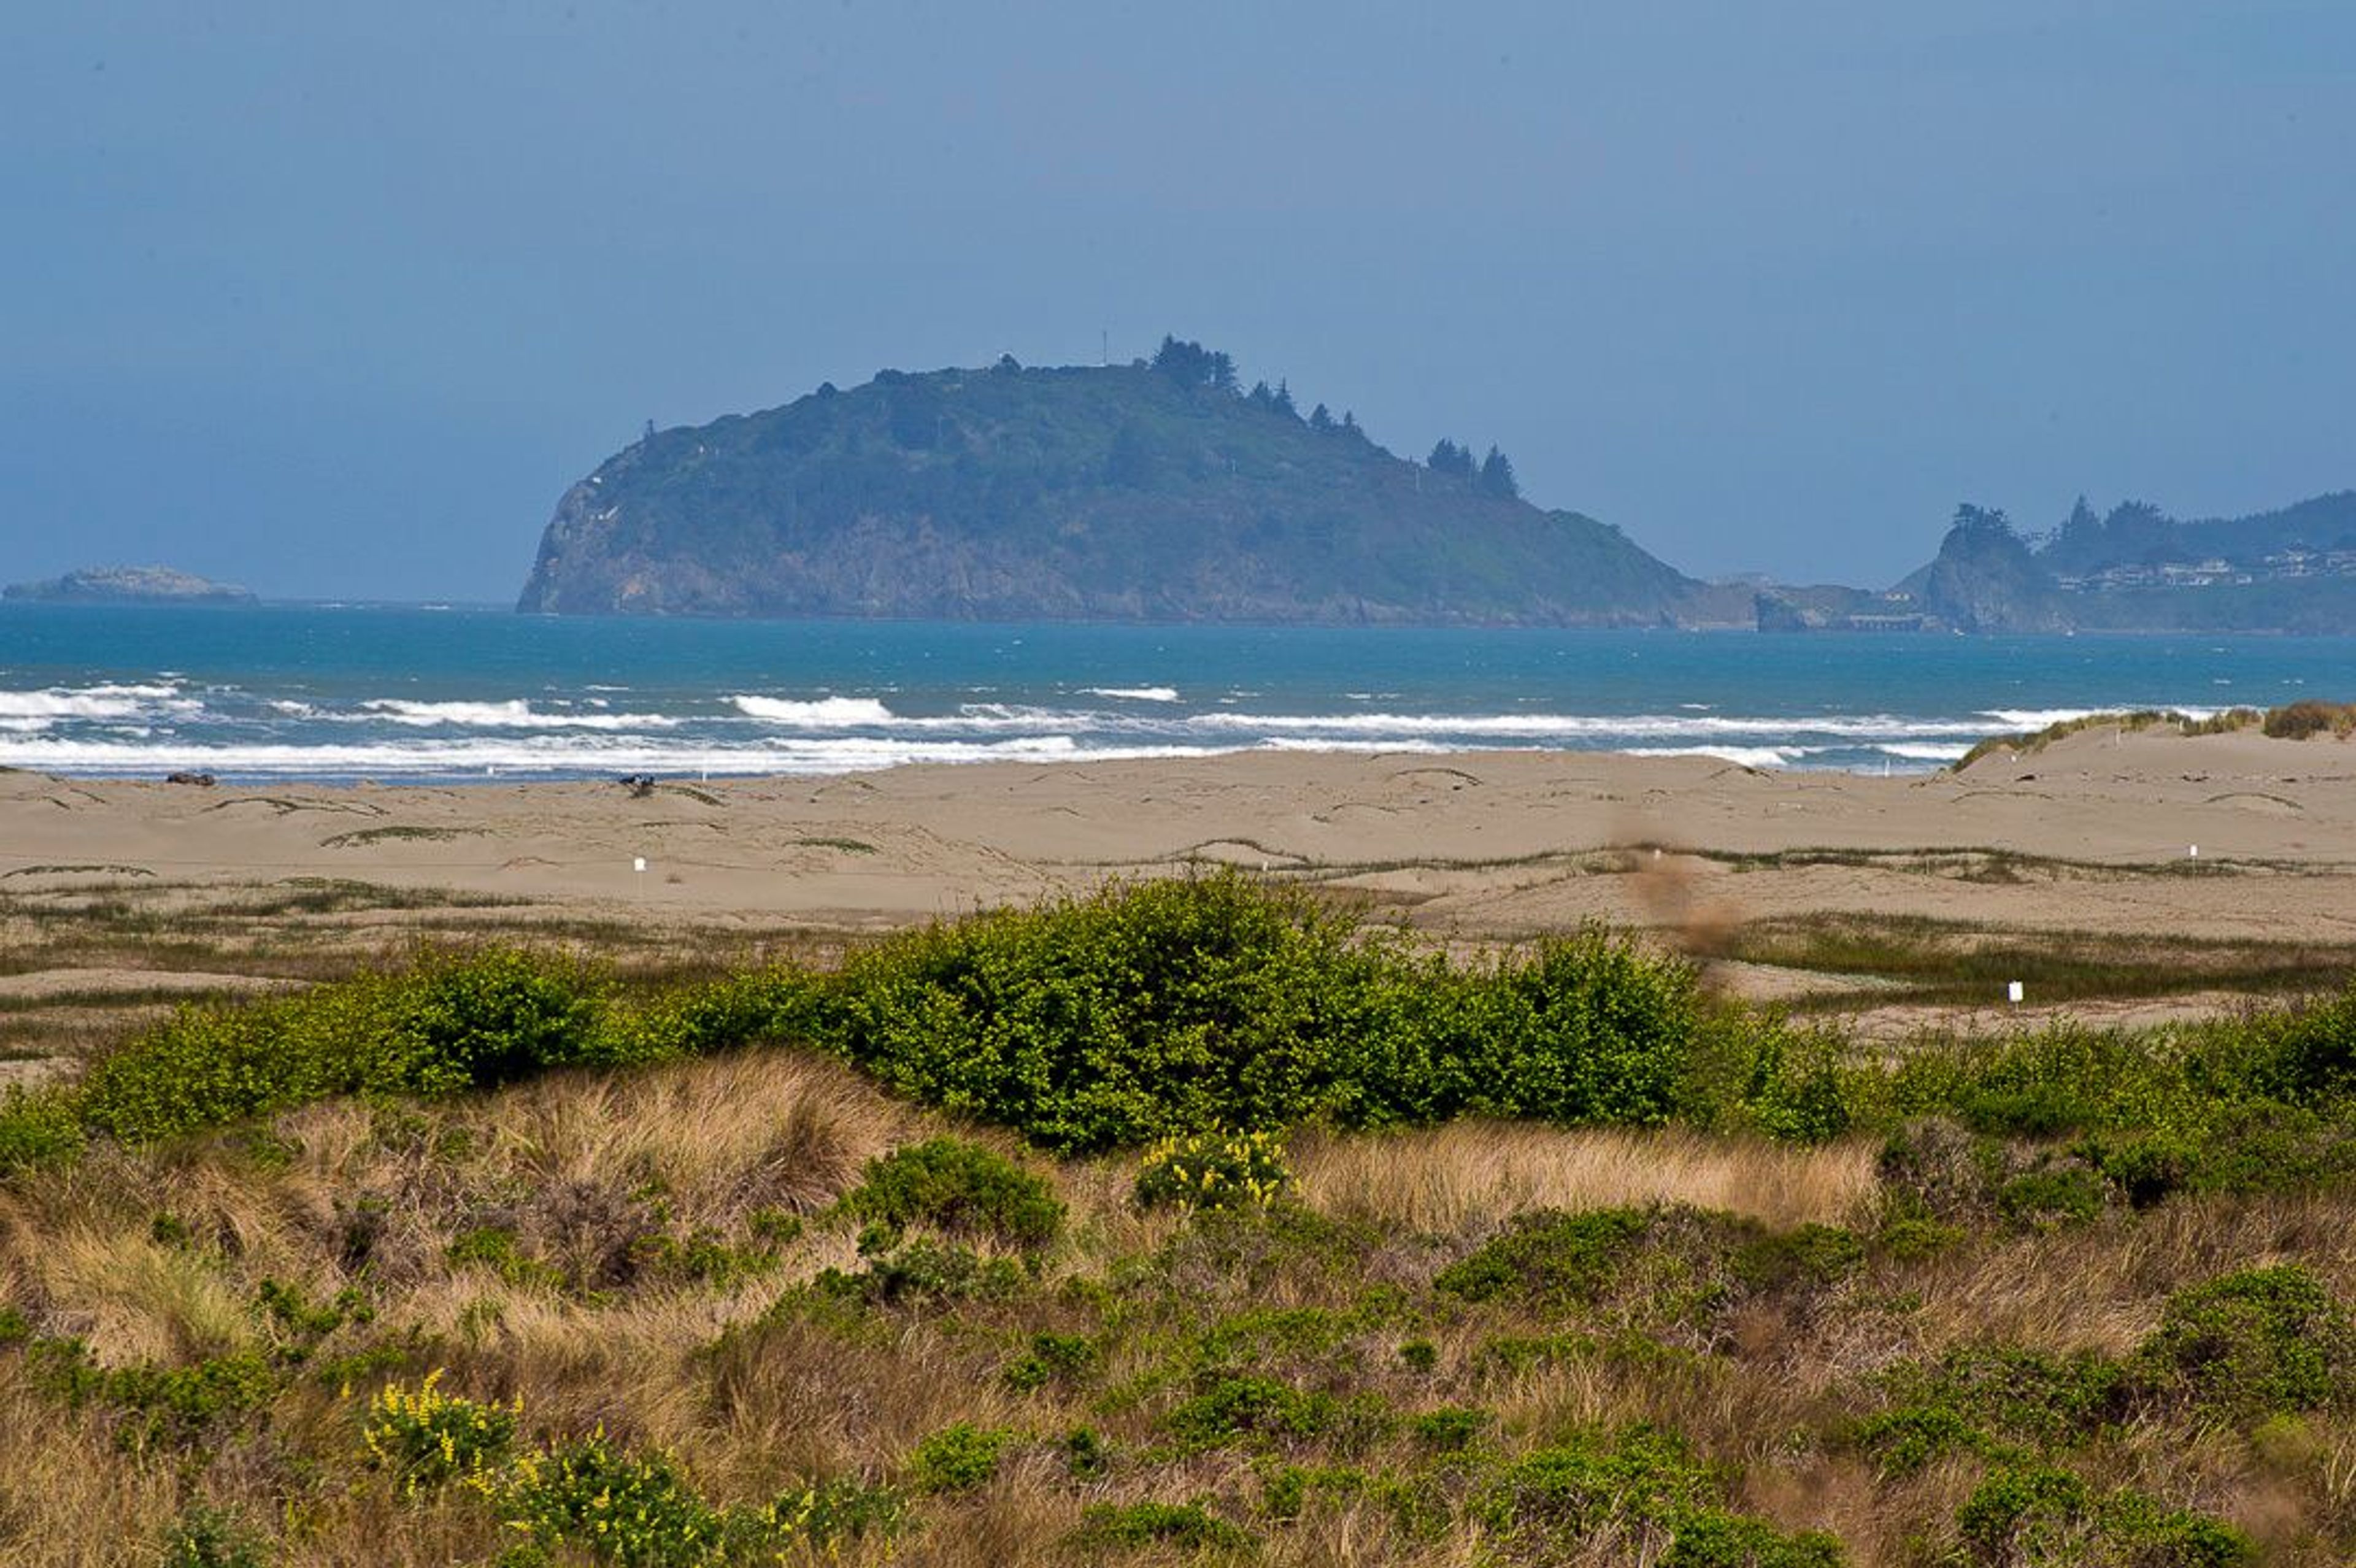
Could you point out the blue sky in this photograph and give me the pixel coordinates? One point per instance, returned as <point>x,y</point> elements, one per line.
<point>335,301</point>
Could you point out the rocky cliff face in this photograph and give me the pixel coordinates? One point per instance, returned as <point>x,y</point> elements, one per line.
<point>1986,580</point>
<point>1115,494</point>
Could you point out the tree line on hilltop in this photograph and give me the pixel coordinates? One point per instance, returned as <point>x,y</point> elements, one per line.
<point>1192,366</point>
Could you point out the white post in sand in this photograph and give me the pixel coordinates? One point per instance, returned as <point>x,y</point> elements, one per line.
<point>638,863</point>
<point>2193,852</point>
<point>2013,991</point>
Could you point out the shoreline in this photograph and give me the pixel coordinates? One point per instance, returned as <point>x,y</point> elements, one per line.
<point>2222,835</point>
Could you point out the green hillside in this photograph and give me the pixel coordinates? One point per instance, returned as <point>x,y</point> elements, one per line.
<point>1146,492</point>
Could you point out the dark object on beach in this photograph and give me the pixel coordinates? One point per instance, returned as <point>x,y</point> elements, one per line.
<point>206,779</point>
<point>640,784</point>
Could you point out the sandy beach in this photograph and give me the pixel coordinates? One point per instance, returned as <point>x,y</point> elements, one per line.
<point>2229,837</point>
<point>2100,829</point>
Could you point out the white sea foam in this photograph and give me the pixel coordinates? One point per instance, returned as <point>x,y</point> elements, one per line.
<point>1133,693</point>
<point>1926,750</point>
<point>516,714</point>
<point>95,702</point>
<point>468,756</point>
<point>1634,726</point>
<point>1745,756</point>
<point>823,712</point>
<point>2036,718</point>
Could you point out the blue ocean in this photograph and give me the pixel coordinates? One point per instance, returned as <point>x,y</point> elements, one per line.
<point>341,692</point>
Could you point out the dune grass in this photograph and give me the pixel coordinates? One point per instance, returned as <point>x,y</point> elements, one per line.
<point>703,1247</point>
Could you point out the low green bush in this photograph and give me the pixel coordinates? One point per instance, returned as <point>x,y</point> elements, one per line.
<point>918,1272</point>
<point>38,1128</point>
<point>1547,1257</point>
<point>206,1537</point>
<point>1556,1497</point>
<point>2050,1197</point>
<point>1213,1170</point>
<point>633,1511</point>
<point>1227,1409</point>
<point>1172,1007</point>
<point>960,1457</point>
<point>2249,1345</point>
<point>771,1004</point>
<point>958,1186</point>
<point>452,1021</point>
<point>1672,1270</point>
<point>1051,1357</point>
<point>2037,1514</point>
<point>1187,1526</point>
<point>428,1438</point>
<point>1997,1401</point>
<point>176,1408</point>
<point>2312,1050</point>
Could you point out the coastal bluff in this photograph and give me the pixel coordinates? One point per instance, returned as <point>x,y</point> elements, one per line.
<point>1153,491</point>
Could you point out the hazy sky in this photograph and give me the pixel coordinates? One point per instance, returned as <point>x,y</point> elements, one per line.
<point>336,300</point>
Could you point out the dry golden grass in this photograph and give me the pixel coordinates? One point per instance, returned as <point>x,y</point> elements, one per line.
<point>751,1400</point>
<point>2100,1287</point>
<point>66,1500</point>
<point>1468,1177</point>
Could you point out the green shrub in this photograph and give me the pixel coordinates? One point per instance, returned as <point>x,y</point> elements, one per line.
<point>156,1407</point>
<point>921,1271</point>
<point>2313,1051</point>
<point>1213,1170</point>
<point>1808,1257</point>
<point>1086,1456</point>
<point>822,1516</point>
<point>1640,1475</point>
<point>1547,1257</point>
<point>453,1021</point>
<point>2026,1515</point>
<point>769,1004</point>
<point>209,1538</point>
<point>1172,1007</point>
<point>2145,1168</point>
<point>1673,1269</point>
<point>1184,1525</point>
<point>959,1458</point>
<point>634,1511</point>
<point>2251,1344</point>
<point>428,1438</point>
<point>474,1020</point>
<point>494,1247</point>
<point>1796,1089</point>
<point>1990,1399</point>
<point>1162,1007</point>
<point>2069,1194</point>
<point>960,1187</point>
<point>702,1257</point>
<point>38,1128</point>
<point>1247,1409</point>
<point>2039,1515</point>
<point>1712,1537</point>
<point>1574,1488</point>
<point>1051,1357</point>
<point>1450,1428</point>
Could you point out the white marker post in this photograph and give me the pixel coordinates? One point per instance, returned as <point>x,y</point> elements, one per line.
<point>2013,992</point>
<point>2192,851</point>
<point>638,863</point>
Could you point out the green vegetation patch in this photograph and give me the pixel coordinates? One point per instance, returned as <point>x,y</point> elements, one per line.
<point>959,1187</point>
<point>1557,1499</point>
